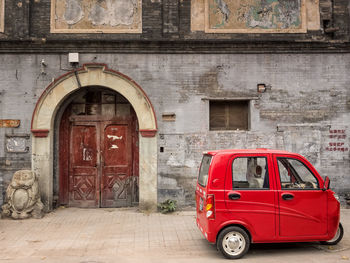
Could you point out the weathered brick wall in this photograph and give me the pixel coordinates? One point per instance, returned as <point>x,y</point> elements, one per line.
<point>307,109</point>
<point>20,87</point>
<point>163,21</point>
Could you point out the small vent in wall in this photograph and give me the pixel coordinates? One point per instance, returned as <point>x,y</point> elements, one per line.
<point>169,116</point>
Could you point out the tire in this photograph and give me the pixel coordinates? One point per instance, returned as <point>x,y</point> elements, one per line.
<point>338,236</point>
<point>233,242</point>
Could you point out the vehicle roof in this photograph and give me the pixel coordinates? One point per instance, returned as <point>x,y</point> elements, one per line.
<point>248,151</point>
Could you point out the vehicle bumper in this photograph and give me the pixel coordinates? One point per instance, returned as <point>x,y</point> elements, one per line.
<point>209,235</point>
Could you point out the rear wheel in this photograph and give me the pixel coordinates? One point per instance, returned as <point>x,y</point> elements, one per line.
<point>233,242</point>
<point>338,236</point>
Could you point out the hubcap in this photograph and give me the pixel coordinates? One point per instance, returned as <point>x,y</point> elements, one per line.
<point>233,243</point>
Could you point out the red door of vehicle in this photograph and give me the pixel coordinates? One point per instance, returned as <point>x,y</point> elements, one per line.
<point>302,204</point>
<point>249,195</point>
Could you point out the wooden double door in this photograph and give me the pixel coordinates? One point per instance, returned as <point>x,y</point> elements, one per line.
<point>100,170</point>
<point>98,151</point>
<point>98,164</point>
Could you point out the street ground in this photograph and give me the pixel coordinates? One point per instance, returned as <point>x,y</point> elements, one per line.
<point>127,235</point>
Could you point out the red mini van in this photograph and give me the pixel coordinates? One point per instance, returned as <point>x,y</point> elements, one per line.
<point>263,196</point>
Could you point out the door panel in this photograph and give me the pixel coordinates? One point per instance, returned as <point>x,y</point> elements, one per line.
<point>257,209</point>
<point>302,204</point>
<point>116,165</point>
<point>250,202</point>
<point>304,214</point>
<point>83,172</point>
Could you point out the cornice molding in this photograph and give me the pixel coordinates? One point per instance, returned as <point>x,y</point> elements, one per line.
<point>171,47</point>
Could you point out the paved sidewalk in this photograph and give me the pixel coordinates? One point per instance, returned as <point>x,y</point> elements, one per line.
<point>126,235</point>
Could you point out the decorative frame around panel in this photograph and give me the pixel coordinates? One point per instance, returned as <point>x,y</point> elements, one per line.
<point>96,16</point>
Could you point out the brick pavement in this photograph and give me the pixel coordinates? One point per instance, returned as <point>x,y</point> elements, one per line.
<point>126,235</point>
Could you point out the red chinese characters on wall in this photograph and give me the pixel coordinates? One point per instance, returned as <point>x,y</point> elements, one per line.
<point>338,141</point>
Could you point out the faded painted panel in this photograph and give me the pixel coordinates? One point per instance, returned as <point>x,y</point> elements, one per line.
<point>9,123</point>
<point>96,16</point>
<point>251,16</point>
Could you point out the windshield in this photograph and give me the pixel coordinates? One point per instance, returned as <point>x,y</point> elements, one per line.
<point>204,170</point>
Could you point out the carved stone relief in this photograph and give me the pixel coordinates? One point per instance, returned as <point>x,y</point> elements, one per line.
<point>23,197</point>
<point>96,16</point>
<point>17,143</point>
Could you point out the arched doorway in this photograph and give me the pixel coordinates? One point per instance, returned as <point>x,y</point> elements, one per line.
<point>56,96</point>
<point>98,150</point>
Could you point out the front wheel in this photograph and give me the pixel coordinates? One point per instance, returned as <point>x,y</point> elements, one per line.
<point>233,242</point>
<point>338,236</point>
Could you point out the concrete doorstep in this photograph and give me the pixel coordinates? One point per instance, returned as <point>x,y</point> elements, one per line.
<point>127,235</point>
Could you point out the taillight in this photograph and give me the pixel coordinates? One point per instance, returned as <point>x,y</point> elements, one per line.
<point>210,207</point>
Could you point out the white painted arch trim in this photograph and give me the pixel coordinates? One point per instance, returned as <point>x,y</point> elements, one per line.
<point>43,122</point>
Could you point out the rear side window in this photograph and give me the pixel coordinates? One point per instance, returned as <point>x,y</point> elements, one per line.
<point>250,173</point>
<point>204,170</point>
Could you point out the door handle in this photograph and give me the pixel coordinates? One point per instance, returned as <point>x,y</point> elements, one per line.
<point>234,196</point>
<point>287,196</point>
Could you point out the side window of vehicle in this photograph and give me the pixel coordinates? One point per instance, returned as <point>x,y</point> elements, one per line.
<point>250,173</point>
<point>295,175</point>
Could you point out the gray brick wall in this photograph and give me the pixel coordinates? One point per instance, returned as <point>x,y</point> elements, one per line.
<point>306,110</point>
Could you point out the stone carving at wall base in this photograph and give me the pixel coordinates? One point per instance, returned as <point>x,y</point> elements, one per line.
<point>23,196</point>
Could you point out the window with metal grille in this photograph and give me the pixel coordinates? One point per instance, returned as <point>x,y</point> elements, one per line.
<point>229,115</point>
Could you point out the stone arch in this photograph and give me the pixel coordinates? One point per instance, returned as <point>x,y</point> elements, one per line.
<point>43,121</point>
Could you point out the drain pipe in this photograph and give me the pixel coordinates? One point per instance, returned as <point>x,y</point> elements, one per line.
<point>73,59</point>
<point>77,77</point>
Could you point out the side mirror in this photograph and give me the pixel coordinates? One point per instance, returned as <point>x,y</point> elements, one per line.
<point>326,184</point>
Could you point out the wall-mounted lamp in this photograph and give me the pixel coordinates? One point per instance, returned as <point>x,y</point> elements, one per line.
<point>261,88</point>
<point>73,59</point>
<point>43,65</point>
